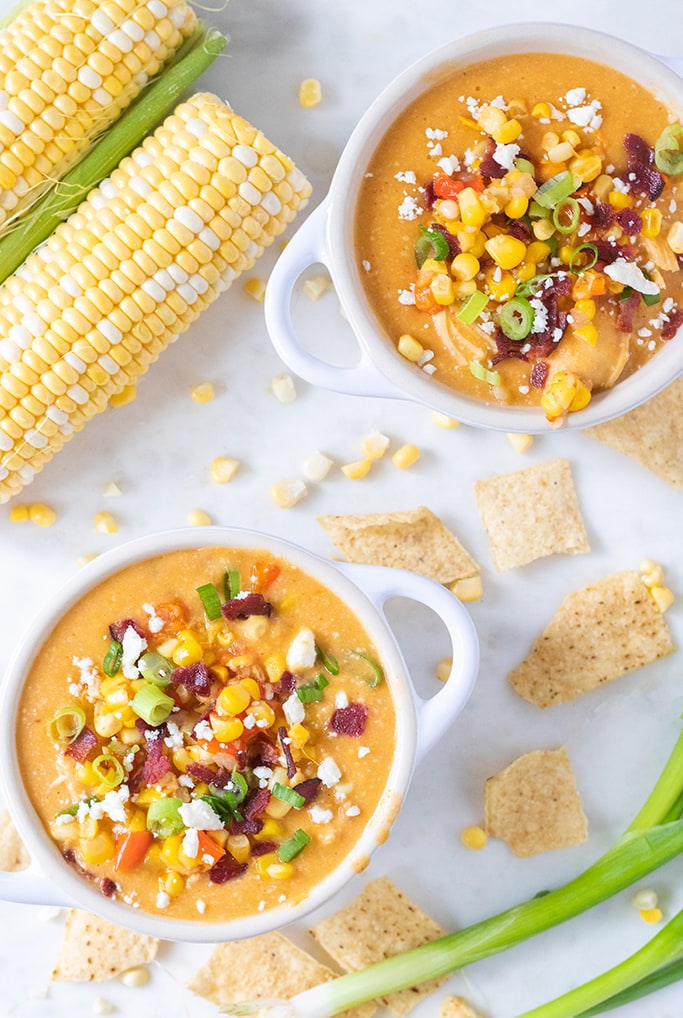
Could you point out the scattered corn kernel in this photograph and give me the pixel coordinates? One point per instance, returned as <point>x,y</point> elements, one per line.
<point>465,266</point>
<point>561,152</point>
<point>173,884</point>
<point>42,515</point>
<point>126,395</point>
<point>652,222</point>
<point>19,514</point>
<point>233,699</point>
<point>474,837</point>
<point>226,729</point>
<point>586,168</point>
<point>316,286</point>
<point>83,560</point>
<point>203,393</point>
<point>442,289</point>
<point>136,977</point>
<point>223,469</point>
<point>517,207</point>
<point>468,589</point>
<point>588,333</point>
<point>99,849</point>
<point>374,445</point>
<point>508,132</point>
<point>651,915</point>
<point>541,111</point>
<point>286,494</point>
<point>444,421</point>
<point>662,597</point>
<point>501,286</point>
<point>645,898</point>
<point>317,466</point>
<point>520,443</point>
<point>101,1005</point>
<point>198,518</point>
<point>602,186</point>
<point>282,387</point>
<point>585,307</point>
<point>651,573</point>
<point>443,669</point>
<point>310,92</point>
<point>357,470</point>
<point>537,251</point>
<point>472,211</point>
<point>506,251</point>
<point>491,118</point>
<point>543,229</point>
<point>674,237</point>
<point>405,456</point>
<point>410,348</point>
<point>105,523</point>
<point>256,289</point>
<point>620,200</point>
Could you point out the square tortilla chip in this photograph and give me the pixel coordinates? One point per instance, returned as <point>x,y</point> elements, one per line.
<point>94,950</point>
<point>262,968</point>
<point>415,540</point>
<point>378,924</point>
<point>458,1007</point>
<point>531,513</point>
<point>13,853</point>
<point>597,634</point>
<point>533,804</point>
<point>652,434</point>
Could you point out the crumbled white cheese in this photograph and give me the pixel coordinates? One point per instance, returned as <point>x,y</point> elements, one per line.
<point>163,900</point>
<point>329,772</point>
<point>449,164</point>
<point>203,731</point>
<point>407,296</point>
<point>575,96</point>
<point>434,134</point>
<point>248,721</point>
<point>133,645</point>
<point>341,699</point>
<point>319,815</point>
<point>409,209</point>
<point>366,265</point>
<point>155,624</point>
<point>406,177</point>
<point>186,781</point>
<point>540,323</point>
<point>363,751</point>
<point>628,273</point>
<point>201,906</point>
<point>505,155</point>
<point>352,811</point>
<point>174,739</point>
<point>113,806</point>
<point>191,843</point>
<point>263,774</point>
<point>302,652</point>
<point>429,369</point>
<point>199,814</point>
<point>435,148</point>
<point>293,710</point>
<point>88,678</point>
<point>586,116</point>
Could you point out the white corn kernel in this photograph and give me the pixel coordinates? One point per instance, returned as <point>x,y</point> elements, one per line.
<point>286,494</point>
<point>520,443</point>
<point>646,897</point>
<point>444,421</point>
<point>560,153</point>
<point>198,518</point>
<point>469,589</point>
<point>223,469</point>
<point>135,977</point>
<point>101,1005</point>
<point>316,286</point>
<point>443,669</point>
<point>674,238</point>
<point>357,470</point>
<point>374,445</point>
<point>662,597</point>
<point>112,490</point>
<point>202,393</point>
<point>310,92</point>
<point>405,456</point>
<point>105,523</point>
<point>283,389</point>
<point>316,467</point>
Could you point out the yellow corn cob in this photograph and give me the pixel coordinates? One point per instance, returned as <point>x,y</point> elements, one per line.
<point>152,246</point>
<point>67,70</point>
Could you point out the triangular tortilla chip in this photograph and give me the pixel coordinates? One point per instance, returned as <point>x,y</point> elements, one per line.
<point>13,853</point>
<point>534,805</point>
<point>652,434</point>
<point>597,634</point>
<point>268,967</point>
<point>415,540</point>
<point>94,950</point>
<point>458,1007</point>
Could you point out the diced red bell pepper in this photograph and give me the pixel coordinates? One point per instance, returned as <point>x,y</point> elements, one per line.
<point>131,848</point>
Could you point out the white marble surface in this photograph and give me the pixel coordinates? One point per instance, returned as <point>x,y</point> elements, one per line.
<point>158,451</point>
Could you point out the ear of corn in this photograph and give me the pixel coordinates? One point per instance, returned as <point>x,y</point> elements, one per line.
<point>67,70</point>
<point>152,246</point>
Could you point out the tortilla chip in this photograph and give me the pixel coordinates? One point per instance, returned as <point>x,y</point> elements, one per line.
<point>652,434</point>
<point>378,924</point>
<point>533,804</point>
<point>94,950</point>
<point>530,514</point>
<point>13,853</point>
<point>262,968</point>
<point>458,1007</point>
<point>416,540</point>
<point>597,634</point>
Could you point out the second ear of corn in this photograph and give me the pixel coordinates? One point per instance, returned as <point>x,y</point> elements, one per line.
<point>148,250</point>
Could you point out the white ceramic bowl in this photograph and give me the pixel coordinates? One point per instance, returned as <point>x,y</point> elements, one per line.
<point>327,237</point>
<point>419,723</point>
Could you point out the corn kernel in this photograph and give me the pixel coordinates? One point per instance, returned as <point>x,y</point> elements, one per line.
<point>105,523</point>
<point>280,870</point>
<point>541,111</point>
<point>126,395</point>
<point>651,915</point>
<point>588,333</point>
<point>83,560</point>
<point>448,208</point>
<point>520,443</point>
<point>561,152</point>
<point>549,141</point>
<point>410,348</point>
<point>558,394</point>
<point>286,494</point>
<point>42,515</point>
<point>542,228</point>
<point>468,589</point>
<point>506,251</point>
<point>572,137</point>
<point>19,514</point>
<point>188,650</point>
<point>472,211</point>
<point>405,456</point>
<point>662,597</point>
<point>491,118</point>
<point>582,396</point>
<point>263,714</point>
<point>646,897</point>
<point>652,223</point>
<point>527,270</point>
<point>565,254</point>
<point>537,252</point>
<point>585,307</point>
<point>465,266</point>
<point>443,669</point>
<point>277,809</point>
<point>275,665</point>
<point>517,207</point>
<point>502,288</point>
<point>226,729</point>
<point>136,977</point>
<point>174,884</point>
<point>463,288</point>
<point>99,849</point>
<point>602,186</point>
<point>233,699</point>
<point>310,92</point>
<point>282,387</point>
<point>586,168</point>
<point>223,469</point>
<point>316,286</point>
<point>239,846</point>
<point>507,132</point>
<point>620,200</point>
<point>674,237</point>
<point>203,393</point>
<point>474,837</point>
<point>256,289</point>
<point>374,445</point>
<point>357,470</point>
<point>442,289</point>
<point>317,466</point>
<point>652,573</point>
<point>198,518</point>
<point>444,421</point>
<point>299,735</point>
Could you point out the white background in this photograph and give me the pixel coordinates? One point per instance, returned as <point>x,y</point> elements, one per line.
<point>158,451</point>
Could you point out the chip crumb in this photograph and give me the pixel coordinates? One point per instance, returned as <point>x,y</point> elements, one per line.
<point>282,387</point>
<point>111,490</point>
<point>13,853</point>
<point>94,950</point>
<point>534,806</point>
<point>105,523</point>
<point>458,1007</point>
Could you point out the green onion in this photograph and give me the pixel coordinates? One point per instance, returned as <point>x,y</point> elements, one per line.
<point>112,659</point>
<point>537,211</point>
<point>650,298</point>
<point>231,584</point>
<point>566,215</point>
<point>530,287</point>
<point>473,307</point>
<point>289,849</point>
<point>72,810</point>
<point>286,794</point>
<point>321,682</point>
<point>163,817</point>
<point>224,801</point>
<point>327,660</point>
<point>109,770</point>
<point>432,244</point>
<point>516,318</point>
<point>150,704</point>
<point>155,668</point>
<point>657,980</point>
<point>309,693</point>
<point>555,190</point>
<point>483,374</point>
<point>66,724</point>
<point>578,254</point>
<point>669,150</point>
<point>377,672</point>
<point>153,103</point>
<point>210,598</point>
<point>524,166</point>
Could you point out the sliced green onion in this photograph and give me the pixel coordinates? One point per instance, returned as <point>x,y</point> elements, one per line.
<point>289,849</point>
<point>555,190</point>
<point>150,704</point>
<point>112,659</point>
<point>328,661</point>
<point>473,307</point>
<point>211,600</point>
<point>286,794</point>
<point>231,584</point>
<point>72,810</point>
<point>516,318</point>
<point>377,672</point>
<point>552,244</point>
<point>321,682</point>
<point>224,801</point>
<point>566,215</point>
<point>524,166</point>
<point>650,298</point>
<point>155,668</point>
<point>432,244</point>
<point>669,150</point>
<point>108,769</point>
<point>664,976</point>
<point>530,287</point>
<point>578,253</point>
<point>483,374</point>
<point>66,724</point>
<point>537,211</point>
<point>163,817</point>
<point>309,693</point>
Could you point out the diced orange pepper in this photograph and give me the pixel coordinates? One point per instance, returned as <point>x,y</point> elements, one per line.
<point>208,848</point>
<point>424,300</point>
<point>446,187</point>
<point>263,574</point>
<point>175,616</point>
<point>131,848</point>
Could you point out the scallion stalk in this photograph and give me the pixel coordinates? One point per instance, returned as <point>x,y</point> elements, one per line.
<point>156,668</point>
<point>231,584</point>
<point>211,601</point>
<point>377,677</point>
<point>289,849</point>
<point>473,307</point>
<point>327,660</point>
<point>66,724</point>
<point>657,980</point>
<point>288,795</point>
<point>150,704</point>
<point>163,817</point>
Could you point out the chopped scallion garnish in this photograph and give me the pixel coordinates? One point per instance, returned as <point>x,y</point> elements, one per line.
<point>108,770</point>
<point>327,660</point>
<point>231,584</point>
<point>583,258</point>
<point>150,704</point>
<point>516,318</point>
<point>484,374</point>
<point>566,215</point>
<point>432,244</point>
<point>555,190</point>
<point>524,165</point>
<point>377,671</point>
<point>309,693</point>
<point>289,849</point>
<point>285,794</point>
<point>112,659</point>
<point>669,150</point>
<point>473,307</point>
<point>155,668</point>
<point>211,601</point>
<point>163,817</point>
<point>66,724</point>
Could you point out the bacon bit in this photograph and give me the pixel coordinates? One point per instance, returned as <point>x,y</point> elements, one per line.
<point>289,760</point>
<point>519,229</point>
<point>219,778</point>
<point>255,802</point>
<point>227,868</point>
<point>284,688</point>
<point>118,629</point>
<point>646,177</point>
<point>539,374</point>
<point>309,789</point>
<point>263,847</point>
<point>627,312</point>
<point>349,720</point>
<point>243,607</point>
<point>194,677</point>
<point>629,221</point>
<point>506,347</point>
<point>82,746</point>
<point>429,196</point>
<point>156,764</point>
<point>603,215</point>
<point>489,168</point>
<point>607,252</point>
<point>452,241</point>
<point>108,887</point>
<point>262,749</point>
<point>246,826</point>
<point>670,328</point>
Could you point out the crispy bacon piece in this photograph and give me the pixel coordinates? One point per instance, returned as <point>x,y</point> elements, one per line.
<point>246,826</point>
<point>284,688</point>
<point>289,760</point>
<point>539,375</point>
<point>255,802</point>
<point>452,241</point>
<point>195,678</point>
<point>108,887</point>
<point>309,789</point>
<point>670,328</point>
<point>243,607</point>
<point>227,868</point>
<point>156,764</point>
<point>630,222</point>
<point>519,229</point>
<point>118,629</point>
<point>642,175</point>
<point>201,772</point>
<point>261,750</point>
<point>82,746</point>
<point>489,168</point>
<point>506,347</point>
<point>349,720</point>
<point>263,847</point>
<point>603,215</point>
<point>429,196</point>
<point>627,312</point>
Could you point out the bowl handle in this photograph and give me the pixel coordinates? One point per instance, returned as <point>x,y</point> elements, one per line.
<point>32,887</point>
<point>435,714</point>
<point>307,247</point>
